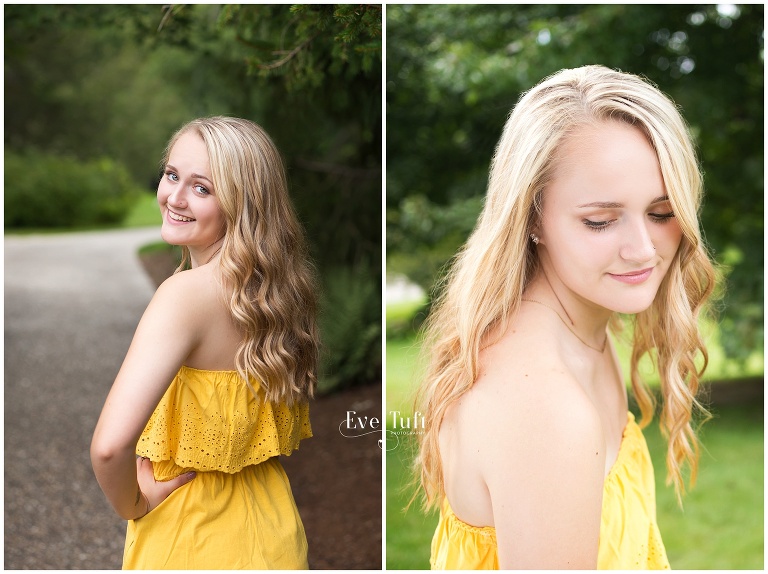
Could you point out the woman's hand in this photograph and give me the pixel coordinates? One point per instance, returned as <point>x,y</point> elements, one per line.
<point>156,491</point>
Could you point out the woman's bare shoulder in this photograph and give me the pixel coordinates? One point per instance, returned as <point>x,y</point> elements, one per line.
<point>193,297</point>
<point>538,447</point>
<point>193,286</point>
<point>525,366</point>
<point>529,402</point>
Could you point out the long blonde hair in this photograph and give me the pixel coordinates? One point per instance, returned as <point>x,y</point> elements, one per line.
<point>263,262</point>
<point>488,276</point>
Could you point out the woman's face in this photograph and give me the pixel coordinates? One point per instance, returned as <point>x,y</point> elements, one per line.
<point>190,210</point>
<point>607,227</point>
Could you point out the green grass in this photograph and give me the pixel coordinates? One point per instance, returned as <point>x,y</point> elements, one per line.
<point>144,213</point>
<point>157,246</point>
<point>402,311</point>
<point>409,533</point>
<point>721,523</point>
<point>402,373</point>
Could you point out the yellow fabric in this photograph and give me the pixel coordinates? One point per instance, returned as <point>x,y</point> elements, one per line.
<point>238,512</point>
<point>629,535</point>
<point>210,420</point>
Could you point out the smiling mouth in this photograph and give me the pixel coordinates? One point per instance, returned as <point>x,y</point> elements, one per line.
<point>633,277</point>
<point>177,217</point>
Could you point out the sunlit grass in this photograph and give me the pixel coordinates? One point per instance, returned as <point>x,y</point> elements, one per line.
<point>145,212</point>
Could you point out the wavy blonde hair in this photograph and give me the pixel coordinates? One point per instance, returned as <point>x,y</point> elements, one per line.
<point>490,273</point>
<point>264,262</point>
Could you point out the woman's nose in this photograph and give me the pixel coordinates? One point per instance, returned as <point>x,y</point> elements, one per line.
<point>177,197</point>
<point>638,246</point>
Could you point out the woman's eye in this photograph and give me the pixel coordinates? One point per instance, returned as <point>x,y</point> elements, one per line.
<point>201,190</point>
<point>172,176</point>
<point>597,225</point>
<point>662,217</point>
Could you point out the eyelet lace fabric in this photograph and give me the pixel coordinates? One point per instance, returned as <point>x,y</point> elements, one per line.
<point>210,421</point>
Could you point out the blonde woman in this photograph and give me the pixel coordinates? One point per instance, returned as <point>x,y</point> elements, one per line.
<point>530,452</point>
<point>216,381</point>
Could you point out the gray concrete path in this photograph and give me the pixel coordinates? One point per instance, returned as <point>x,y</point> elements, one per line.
<point>72,302</point>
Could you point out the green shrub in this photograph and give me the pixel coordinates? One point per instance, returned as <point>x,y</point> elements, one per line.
<point>350,328</point>
<point>43,190</point>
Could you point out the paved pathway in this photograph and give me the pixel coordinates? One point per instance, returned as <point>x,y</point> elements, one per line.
<point>72,302</point>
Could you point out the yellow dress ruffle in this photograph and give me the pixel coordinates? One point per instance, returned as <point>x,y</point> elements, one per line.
<point>238,512</point>
<point>629,535</point>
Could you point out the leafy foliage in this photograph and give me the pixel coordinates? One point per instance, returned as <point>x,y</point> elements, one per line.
<point>43,190</point>
<point>455,71</point>
<point>351,328</point>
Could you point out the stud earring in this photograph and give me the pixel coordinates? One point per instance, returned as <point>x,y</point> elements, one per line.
<point>534,238</point>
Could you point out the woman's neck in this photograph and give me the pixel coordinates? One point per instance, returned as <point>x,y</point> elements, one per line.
<point>201,256</point>
<point>587,320</point>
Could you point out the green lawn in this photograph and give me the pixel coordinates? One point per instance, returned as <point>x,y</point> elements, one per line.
<point>720,526</point>
<point>144,213</point>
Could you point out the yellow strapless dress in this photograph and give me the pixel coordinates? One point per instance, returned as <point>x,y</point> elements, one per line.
<point>238,512</point>
<point>629,536</point>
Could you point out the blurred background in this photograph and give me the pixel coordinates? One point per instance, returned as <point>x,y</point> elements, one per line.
<point>453,74</point>
<point>92,95</point>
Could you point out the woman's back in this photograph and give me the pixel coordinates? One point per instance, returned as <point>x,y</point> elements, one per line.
<point>217,335</point>
<point>629,536</point>
<point>533,428</point>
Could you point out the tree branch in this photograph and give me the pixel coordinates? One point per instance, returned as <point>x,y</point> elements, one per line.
<point>288,56</point>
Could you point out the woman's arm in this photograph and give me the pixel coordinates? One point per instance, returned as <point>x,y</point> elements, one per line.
<point>167,333</point>
<point>543,461</point>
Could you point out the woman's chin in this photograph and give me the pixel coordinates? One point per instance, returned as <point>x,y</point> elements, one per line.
<point>170,237</point>
<point>634,307</point>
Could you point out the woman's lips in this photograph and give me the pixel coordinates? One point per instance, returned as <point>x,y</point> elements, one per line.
<point>176,218</point>
<point>633,277</point>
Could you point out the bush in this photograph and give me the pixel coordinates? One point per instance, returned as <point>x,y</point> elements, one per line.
<point>44,190</point>
<point>350,329</point>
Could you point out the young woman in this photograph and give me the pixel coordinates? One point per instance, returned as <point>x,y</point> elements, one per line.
<point>216,381</point>
<point>530,452</point>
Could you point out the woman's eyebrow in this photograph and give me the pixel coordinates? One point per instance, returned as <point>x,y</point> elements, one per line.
<point>602,205</point>
<point>615,205</point>
<point>197,176</point>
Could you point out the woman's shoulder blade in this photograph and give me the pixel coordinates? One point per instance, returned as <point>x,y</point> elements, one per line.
<point>525,368</point>
<point>521,393</point>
